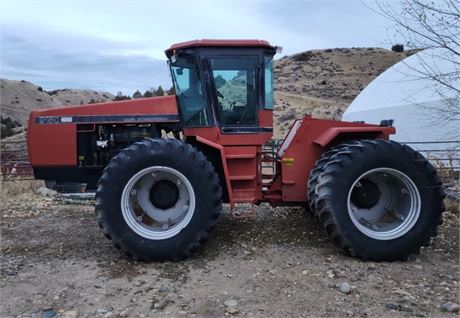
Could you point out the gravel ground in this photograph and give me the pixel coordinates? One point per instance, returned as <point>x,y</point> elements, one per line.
<point>55,261</point>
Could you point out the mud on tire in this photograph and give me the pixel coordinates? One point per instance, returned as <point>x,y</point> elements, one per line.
<point>196,180</point>
<point>356,181</point>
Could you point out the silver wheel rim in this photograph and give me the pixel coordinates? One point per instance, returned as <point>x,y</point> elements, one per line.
<point>397,209</point>
<point>148,220</point>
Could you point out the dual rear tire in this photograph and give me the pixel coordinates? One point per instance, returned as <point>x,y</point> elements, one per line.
<point>377,199</point>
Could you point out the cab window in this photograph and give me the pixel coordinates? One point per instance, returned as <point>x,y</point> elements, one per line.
<point>268,86</point>
<point>235,82</point>
<point>189,92</point>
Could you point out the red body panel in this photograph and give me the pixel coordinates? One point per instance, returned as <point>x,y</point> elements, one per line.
<point>224,163</point>
<point>141,106</point>
<point>240,155</point>
<point>54,143</point>
<point>218,43</point>
<point>308,139</point>
<point>213,134</point>
<point>266,118</point>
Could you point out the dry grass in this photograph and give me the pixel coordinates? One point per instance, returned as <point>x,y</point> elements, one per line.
<point>19,187</point>
<point>447,171</point>
<point>453,207</point>
<point>451,180</point>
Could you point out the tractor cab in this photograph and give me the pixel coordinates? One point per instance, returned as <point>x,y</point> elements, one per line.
<point>224,95</point>
<point>224,87</point>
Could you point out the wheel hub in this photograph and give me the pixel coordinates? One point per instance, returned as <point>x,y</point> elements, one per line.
<point>366,195</point>
<point>384,203</point>
<point>158,202</point>
<point>164,194</point>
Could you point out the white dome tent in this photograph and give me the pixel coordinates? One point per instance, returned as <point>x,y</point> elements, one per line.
<point>416,103</point>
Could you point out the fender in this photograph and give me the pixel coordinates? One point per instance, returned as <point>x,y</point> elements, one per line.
<point>332,133</point>
<point>305,143</point>
<point>224,166</point>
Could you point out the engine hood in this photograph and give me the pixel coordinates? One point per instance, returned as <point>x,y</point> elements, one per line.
<point>52,133</point>
<point>164,105</point>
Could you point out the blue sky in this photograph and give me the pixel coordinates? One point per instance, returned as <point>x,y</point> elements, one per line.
<point>118,45</point>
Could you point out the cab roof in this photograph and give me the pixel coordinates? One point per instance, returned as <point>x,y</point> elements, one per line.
<point>218,43</point>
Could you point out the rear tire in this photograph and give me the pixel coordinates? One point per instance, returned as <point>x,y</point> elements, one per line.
<point>379,200</point>
<point>158,200</point>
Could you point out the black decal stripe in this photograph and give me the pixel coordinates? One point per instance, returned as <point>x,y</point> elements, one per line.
<point>107,119</point>
<point>243,130</point>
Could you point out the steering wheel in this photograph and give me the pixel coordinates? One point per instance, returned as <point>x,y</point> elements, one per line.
<point>219,94</point>
<point>232,105</point>
<point>243,115</point>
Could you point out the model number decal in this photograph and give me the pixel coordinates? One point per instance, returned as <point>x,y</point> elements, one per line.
<point>48,120</point>
<point>43,120</point>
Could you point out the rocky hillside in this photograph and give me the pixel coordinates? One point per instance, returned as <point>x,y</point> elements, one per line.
<point>18,98</point>
<point>324,82</point>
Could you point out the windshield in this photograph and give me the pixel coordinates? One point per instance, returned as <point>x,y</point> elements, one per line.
<point>189,91</point>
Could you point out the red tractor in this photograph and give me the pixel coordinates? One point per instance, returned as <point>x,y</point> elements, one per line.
<point>158,197</point>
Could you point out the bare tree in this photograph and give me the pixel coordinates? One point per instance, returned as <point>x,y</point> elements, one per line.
<point>435,24</point>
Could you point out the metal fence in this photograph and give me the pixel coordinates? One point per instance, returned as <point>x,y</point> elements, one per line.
<point>444,154</point>
<point>445,157</point>
<point>14,161</point>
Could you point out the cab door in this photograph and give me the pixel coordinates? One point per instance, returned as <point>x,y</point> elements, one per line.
<point>235,81</point>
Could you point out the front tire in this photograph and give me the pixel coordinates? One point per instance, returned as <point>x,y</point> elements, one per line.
<point>379,200</point>
<point>158,200</point>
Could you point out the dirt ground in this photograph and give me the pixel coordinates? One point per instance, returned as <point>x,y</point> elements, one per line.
<point>55,260</point>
